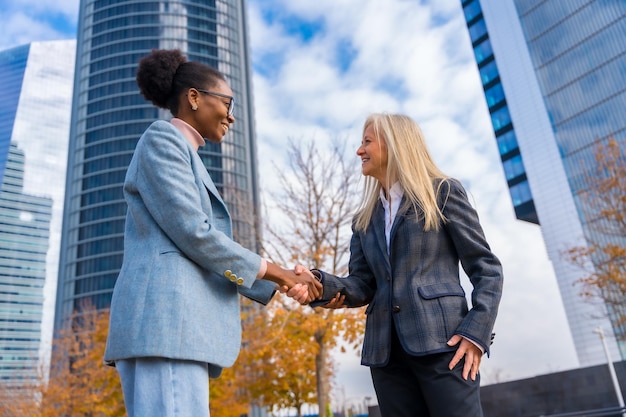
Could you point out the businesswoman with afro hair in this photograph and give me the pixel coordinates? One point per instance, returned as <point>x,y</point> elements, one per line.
<point>175,318</point>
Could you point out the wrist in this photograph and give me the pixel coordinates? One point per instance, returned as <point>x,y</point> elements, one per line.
<point>317,274</point>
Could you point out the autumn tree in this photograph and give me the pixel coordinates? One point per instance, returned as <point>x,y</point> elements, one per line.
<point>603,257</point>
<point>79,384</point>
<point>22,401</point>
<point>310,225</point>
<point>226,394</point>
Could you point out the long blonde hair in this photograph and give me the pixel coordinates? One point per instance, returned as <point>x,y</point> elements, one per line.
<point>408,162</point>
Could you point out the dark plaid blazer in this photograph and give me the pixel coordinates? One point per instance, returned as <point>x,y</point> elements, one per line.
<point>417,286</point>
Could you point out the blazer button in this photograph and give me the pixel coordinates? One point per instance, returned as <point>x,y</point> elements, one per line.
<point>233,277</point>
<point>395,309</point>
<point>228,273</point>
<point>239,281</point>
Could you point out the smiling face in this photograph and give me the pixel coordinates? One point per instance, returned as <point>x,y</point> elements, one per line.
<point>212,118</point>
<point>373,154</point>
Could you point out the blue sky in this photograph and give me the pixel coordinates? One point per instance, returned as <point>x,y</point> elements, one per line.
<point>320,66</point>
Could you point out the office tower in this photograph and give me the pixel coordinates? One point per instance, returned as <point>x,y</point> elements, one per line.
<point>553,76</point>
<point>36,88</point>
<point>109,115</point>
<point>25,221</point>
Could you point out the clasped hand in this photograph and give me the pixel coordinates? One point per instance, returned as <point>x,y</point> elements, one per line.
<point>302,286</point>
<point>300,292</point>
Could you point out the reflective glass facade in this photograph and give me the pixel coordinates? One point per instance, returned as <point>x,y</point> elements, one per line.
<point>12,67</point>
<point>109,115</point>
<point>578,49</point>
<point>503,127</point>
<point>562,69</point>
<point>24,233</point>
<point>36,87</point>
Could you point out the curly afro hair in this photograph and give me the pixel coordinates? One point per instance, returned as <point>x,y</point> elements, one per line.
<point>164,74</point>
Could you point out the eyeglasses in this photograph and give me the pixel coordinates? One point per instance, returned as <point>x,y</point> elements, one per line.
<point>231,103</point>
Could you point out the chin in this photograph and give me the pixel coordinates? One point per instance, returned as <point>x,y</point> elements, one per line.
<point>215,139</point>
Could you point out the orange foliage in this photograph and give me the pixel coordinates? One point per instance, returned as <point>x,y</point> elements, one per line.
<point>277,366</point>
<point>226,397</point>
<point>603,258</point>
<point>79,384</point>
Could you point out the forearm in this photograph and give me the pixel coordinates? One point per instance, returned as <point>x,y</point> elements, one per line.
<point>276,274</point>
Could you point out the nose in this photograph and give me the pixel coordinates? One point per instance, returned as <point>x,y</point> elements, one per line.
<point>231,119</point>
<point>359,150</point>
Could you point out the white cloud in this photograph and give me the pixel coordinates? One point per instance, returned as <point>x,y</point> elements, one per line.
<point>26,21</point>
<point>49,8</point>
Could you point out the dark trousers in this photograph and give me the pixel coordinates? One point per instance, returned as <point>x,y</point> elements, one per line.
<point>423,386</point>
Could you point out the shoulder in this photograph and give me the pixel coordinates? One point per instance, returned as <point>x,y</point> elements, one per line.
<point>446,187</point>
<point>163,132</point>
<point>160,127</point>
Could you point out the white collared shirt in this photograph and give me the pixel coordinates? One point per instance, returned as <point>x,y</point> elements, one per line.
<point>391,208</point>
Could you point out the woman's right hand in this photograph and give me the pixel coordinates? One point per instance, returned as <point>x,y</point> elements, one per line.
<point>336,302</point>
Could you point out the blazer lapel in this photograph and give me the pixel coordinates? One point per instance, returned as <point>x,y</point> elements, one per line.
<point>202,172</point>
<point>400,215</point>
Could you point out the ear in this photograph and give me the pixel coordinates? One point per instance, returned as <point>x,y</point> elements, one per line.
<point>193,97</point>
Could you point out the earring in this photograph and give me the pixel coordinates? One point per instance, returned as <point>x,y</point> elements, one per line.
<point>194,107</point>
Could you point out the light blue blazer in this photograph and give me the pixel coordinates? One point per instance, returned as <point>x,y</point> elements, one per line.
<point>177,293</point>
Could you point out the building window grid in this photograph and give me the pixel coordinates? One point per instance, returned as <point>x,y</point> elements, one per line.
<point>115,10</point>
<point>100,163</point>
<point>585,93</point>
<point>561,12</point>
<point>554,38</point>
<point>98,245</point>
<point>106,104</point>
<point>100,228</point>
<point>496,102</point>
<point>579,59</point>
<point>123,22</point>
<point>99,264</point>
<point>108,147</point>
<point>94,181</point>
<point>574,133</point>
<point>109,210</point>
<point>471,10</point>
<point>115,61</point>
<point>111,39</point>
<point>118,34</point>
<point>94,284</point>
<point>579,163</point>
<point>102,134</point>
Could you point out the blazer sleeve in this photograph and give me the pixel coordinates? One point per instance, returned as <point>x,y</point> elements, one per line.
<point>480,264</point>
<point>262,291</point>
<point>167,185</point>
<point>359,286</point>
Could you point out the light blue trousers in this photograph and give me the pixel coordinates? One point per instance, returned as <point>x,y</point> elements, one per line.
<point>161,387</point>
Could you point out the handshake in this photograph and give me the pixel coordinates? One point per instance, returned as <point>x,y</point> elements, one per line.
<point>301,284</point>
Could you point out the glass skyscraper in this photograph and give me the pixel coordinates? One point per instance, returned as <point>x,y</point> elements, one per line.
<point>36,89</point>
<point>553,73</point>
<point>24,233</point>
<point>109,115</point>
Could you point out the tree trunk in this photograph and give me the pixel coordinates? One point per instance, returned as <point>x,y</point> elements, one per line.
<point>323,385</point>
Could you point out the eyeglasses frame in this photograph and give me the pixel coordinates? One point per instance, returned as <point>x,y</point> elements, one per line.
<point>231,104</point>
